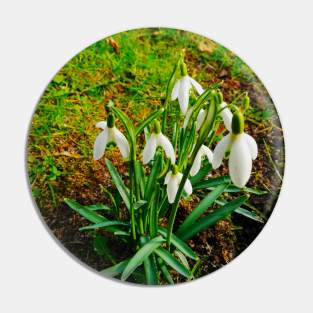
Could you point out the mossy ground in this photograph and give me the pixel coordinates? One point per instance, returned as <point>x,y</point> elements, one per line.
<point>132,69</point>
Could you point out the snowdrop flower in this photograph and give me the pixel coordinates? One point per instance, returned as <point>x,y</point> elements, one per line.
<point>172,180</point>
<point>182,87</point>
<point>157,139</point>
<point>200,118</point>
<point>227,116</point>
<point>109,133</point>
<point>203,151</point>
<point>243,149</point>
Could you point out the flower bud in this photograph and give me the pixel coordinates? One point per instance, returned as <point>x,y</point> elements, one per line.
<point>237,123</point>
<point>183,69</point>
<point>246,103</point>
<point>111,120</point>
<point>219,97</point>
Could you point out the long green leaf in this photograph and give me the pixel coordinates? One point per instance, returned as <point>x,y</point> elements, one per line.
<point>244,212</point>
<point>149,266</point>
<point>140,176</point>
<point>202,207</point>
<point>115,269</point>
<point>165,271</point>
<point>105,224</point>
<point>148,120</point>
<point>155,171</point>
<point>140,256</point>
<point>129,127</point>
<point>212,182</point>
<point>118,183</point>
<point>90,215</point>
<point>212,218</point>
<point>98,207</point>
<point>172,262</point>
<point>179,244</point>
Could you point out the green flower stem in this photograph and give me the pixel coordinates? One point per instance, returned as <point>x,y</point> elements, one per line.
<point>169,88</point>
<point>206,128</point>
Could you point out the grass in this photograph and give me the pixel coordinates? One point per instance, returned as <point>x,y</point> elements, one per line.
<point>132,69</point>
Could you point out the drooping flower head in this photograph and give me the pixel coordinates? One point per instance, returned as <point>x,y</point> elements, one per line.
<point>109,134</point>
<point>203,151</point>
<point>172,180</point>
<point>182,87</point>
<point>157,139</point>
<point>243,149</point>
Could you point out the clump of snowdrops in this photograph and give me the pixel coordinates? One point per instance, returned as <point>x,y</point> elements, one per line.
<point>179,153</point>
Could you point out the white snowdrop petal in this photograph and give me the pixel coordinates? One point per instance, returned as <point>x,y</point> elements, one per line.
<point>196,164</point>
<point>227,116</point>
<point>252,145</point>
<point>240,162</point>
<point>164,142</point>
<point>175,90</point>
<point>100,144</point>
<point>207,152</point>
<point>188,187</point>
<point>183,94</point>
<point>121,142</point>
<point>200,118</point>
<point>149,150</point>
<point>167,177</point>
<point>187,117</point>
<point>102,124</point>
<point>172,188</point>
<point>219,151</point>
<point>196,85</point>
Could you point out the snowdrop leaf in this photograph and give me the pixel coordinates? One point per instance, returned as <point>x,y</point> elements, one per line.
<point>211,182</point>
<point>179,244</point>
<point>173,262</point>
<point>165,271</point>
<point>150,266</point>
<point>244,212</point>
<point>212,218</point>
<point>155,171</point>
<point>201,208</point>
<point>148,120</point>
<point>115,269</point>
<point>118,183</point>
<point>140,256</point>
<point>104,225</point>
<point>84,211</point>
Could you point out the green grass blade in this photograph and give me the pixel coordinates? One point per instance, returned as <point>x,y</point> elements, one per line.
<point>255,191</point>
<point>212,218</point>
<point>179,244</point>
<point>202,207</point>
<point>90,215</point>
<point>105,224</point>
<point>173,262</point>
<point>148,120</point>
<point>115,269</point>
<point>118,183</point>
<point>212,182</point>
<point>140,256</point>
